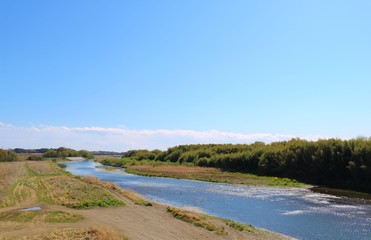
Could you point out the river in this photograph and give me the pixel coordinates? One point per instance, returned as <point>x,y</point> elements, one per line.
<point>296,212</point>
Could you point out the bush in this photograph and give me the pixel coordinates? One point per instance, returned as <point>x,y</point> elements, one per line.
<point>7,156</point>
<point>35,158</point>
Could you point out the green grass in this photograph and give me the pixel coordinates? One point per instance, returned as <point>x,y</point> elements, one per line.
<point>72,192</point>
<point>131,195</point>
<point>21,217</point>
<point>62,217</point>
<point>39,215</point>
<point>238,226</point>
<point>283,182</point>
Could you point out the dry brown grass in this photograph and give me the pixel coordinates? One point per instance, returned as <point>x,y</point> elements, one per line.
<point>71,192</point>
<point>196,219</point>
<point>131,195</point>
<point>47,182</point>
<point>10,172</point>
<point>209,175</point>
<point>96,181</point>
<point>93,233</point>
<point>39,216</point>
<point>44,167</point>
<point>197,173</point>
<point>177,169</point>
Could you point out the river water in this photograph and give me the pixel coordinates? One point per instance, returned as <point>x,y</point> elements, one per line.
<point>296,212</point>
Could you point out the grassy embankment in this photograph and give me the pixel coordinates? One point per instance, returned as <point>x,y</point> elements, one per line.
<point>131,195</point>
<point>175,170</point>
<point>61,195</point>
<point>31,183</point>
<point>60,188</point>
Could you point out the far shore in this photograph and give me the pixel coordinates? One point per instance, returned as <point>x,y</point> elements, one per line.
<point>75,158</point>
<point>208,174</point>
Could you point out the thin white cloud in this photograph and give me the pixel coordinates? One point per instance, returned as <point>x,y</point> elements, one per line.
<point>120,139</point>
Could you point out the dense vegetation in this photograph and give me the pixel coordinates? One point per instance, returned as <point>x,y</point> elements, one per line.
<point>66,152</point>
<point>7,156</point>
<point>39,150</point>
<point>332,162</point>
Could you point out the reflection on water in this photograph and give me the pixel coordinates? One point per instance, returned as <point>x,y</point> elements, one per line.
<point>29,209</point>
<point>297,212</point>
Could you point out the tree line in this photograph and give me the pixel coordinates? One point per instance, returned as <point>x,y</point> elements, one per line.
<point>7,156</point>
<point>63,152</point>
<point>331,162</point>
<point>24,151</point>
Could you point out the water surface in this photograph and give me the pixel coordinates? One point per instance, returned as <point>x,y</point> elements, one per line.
<point>29,209</point>
<point>297,212</point>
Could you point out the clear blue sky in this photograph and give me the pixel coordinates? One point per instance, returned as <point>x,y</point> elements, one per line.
<point>300,68</point>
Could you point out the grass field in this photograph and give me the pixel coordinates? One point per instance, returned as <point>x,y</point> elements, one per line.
<point>71,192</point>
<point>10,173</point>
<point>46,182</point>
<point>53,216</point>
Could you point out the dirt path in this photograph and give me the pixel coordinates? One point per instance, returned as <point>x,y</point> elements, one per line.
<point>135,222</point>
<point>149,223</point>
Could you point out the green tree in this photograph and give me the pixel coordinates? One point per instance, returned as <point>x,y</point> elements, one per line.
<point>7,156</point>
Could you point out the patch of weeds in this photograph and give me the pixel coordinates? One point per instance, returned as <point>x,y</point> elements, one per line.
<point>196,219</point>
<point>96,203</point>
<point>239,226</point>
<point>283,182</point>
<point>62,217</point>
<point>131,195</point>
<point>29,171</point>
<point>21,217</point>
<point>135,198</point>
<point>71,192</point>
<point>62,165</point>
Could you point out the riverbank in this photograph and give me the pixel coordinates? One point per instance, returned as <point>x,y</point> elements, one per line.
<point>208,174</point>
<point>70,207</point>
